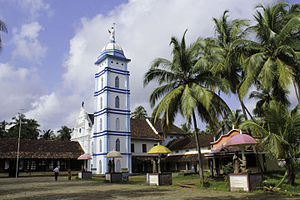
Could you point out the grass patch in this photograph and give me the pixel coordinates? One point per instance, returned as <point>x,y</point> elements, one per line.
<point>193,180</point>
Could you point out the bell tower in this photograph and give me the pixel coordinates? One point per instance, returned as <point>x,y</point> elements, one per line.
<point>112,108</point>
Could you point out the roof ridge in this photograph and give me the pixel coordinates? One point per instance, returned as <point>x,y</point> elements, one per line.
<point>152,127</point>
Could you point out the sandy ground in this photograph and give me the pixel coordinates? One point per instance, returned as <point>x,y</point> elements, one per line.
<point>47,188</point>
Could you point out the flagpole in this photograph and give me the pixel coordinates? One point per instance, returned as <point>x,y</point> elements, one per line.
<point>18,150</point>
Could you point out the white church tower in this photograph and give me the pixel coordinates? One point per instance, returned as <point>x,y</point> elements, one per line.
<point>112,108</point>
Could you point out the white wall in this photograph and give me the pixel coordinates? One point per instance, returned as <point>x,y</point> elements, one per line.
<point>138,146</point>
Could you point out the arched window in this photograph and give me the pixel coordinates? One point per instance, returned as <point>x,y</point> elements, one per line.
<point>118,145</point>
<point>100,146</point>
<point>118,166</point>
<point>100,167</point>
<point>117,124</point>
<point>101,83</point>
<point>117,82</point>
<point>117,102</point>
<point>93,147</point>
<point>100,124</point>
<point>101,102</point>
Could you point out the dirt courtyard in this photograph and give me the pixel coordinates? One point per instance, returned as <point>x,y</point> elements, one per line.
<point>47,188</point>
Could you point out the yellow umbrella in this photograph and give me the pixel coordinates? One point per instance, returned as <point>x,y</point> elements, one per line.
<point>159,149</point>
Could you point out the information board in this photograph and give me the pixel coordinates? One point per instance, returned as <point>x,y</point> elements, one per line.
<point>238,182</point>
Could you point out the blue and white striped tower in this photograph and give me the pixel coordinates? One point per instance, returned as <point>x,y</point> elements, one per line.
<point>112,108</point>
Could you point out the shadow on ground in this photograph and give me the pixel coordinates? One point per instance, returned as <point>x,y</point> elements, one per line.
<point>108,194</point>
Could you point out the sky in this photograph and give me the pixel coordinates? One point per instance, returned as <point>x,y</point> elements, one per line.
<point>47,60</point>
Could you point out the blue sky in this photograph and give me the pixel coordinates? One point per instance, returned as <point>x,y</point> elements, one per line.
<point>46,64</point>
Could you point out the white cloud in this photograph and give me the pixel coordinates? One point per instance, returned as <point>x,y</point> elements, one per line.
<point>143,29</point>
<point>19,87</point>
<point>34,7</point>
<point>54,110</point>
<point>27,44</point>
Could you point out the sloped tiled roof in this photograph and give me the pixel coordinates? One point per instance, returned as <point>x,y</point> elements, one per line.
<point>141,129</point>
<point>174,130</point>
<point>40,149</point>
<point>190,142</point>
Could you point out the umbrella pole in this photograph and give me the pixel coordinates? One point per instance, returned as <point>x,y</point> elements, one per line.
<point>244,162</point>
<point>113,165</point>
<point>159,171</point>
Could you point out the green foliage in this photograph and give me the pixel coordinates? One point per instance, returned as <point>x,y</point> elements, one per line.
<point>228,168</point>
<point>29,128</point>
<point>3,28</point>
<point>3,129</point>
<point>279,131</point>
<point>64,133</point>
<point>272,62</point>
<point>184,88</point>
<point>48,135</point>
<point>139,113</point>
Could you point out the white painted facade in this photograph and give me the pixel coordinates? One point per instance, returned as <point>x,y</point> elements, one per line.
<point>112,114</point>
<point>138,147</point>
<point>82,133</point>
<point>110,128</point>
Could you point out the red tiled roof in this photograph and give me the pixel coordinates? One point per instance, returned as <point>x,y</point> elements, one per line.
<point>40,149</point>
<point>190,142</point>
<point>141,129</point>
<point>174,130</point>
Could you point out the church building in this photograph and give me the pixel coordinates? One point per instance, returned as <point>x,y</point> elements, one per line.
<point>109,128</point>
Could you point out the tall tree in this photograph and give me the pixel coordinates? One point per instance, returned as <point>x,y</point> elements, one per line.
<point>235,118</point>
<point>3,28</point>
<point>184,90</point>
<point>139,113</point>
<point>48,135</point>
<point>29,128</point>
<point>3,129</point>
<point>64,133</point>
<point>264,97</point>
<point>186,127</point>
<point>280,134</point>
<point>274,59</point>
<point>223,55</point>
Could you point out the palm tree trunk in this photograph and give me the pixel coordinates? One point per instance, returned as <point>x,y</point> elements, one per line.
<point>243,108</point>
<point>290,171</point>
<point>249,114</point>
<point>199,150</point>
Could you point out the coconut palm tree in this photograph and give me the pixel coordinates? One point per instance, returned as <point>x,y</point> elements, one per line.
<point>29,128</point>
<point>264,97</point>
<point>224,55</point>
<point>184,90</point>
<point>280,134</point>
<point>47,135</point>
<point>235,118</point>
<point>274,59</point>
<point>3,129</point>
<point>65,133</point>
<point>3,28</point>
<point>139,113</point>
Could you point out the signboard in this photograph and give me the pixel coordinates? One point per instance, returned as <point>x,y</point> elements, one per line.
<point>153,179</point>
<point>239,182</point>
